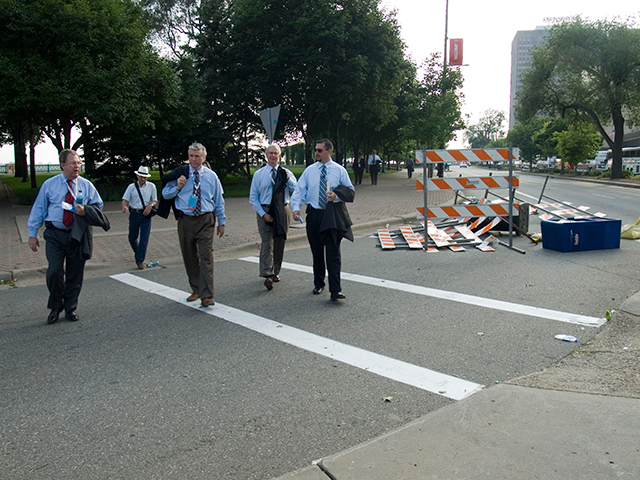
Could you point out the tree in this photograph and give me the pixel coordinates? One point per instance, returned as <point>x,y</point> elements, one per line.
<point>521,136</point>
<point>318,59</point>
<point>434,105</point>
<point>577,143</point>
<point>488,129</point>
<point>592,68</point>
<point>80,64</point>
<point>545,139</point>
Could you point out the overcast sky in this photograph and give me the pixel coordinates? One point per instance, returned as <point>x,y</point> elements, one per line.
<point>487,28</point>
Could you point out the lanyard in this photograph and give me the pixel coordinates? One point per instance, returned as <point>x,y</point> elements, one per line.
<point>70,189</point>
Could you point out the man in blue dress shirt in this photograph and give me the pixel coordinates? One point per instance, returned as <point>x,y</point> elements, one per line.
<point>324,187</point>
<point>269,196</point>
<point>199,201</point>
<point>59,200</point>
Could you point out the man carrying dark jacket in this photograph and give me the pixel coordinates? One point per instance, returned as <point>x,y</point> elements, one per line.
<point>269,196</point>
<point>62,204</point>
<point>324,187</point>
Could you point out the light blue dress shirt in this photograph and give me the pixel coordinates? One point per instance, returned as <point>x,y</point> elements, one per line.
<point>48,204</point>
<point>211,191</point>
<point>262,188</point>
<point>308,184</point>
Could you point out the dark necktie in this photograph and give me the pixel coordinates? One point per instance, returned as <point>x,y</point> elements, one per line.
<point>322,194</point>
<point>196,192</point>
<point>67,216</point>
<point>274,172</point>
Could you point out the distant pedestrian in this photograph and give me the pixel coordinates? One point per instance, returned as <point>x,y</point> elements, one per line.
<point>411,165</point>
<point>374,166</point>
<point>324,186</point>
<point>138,201</point>
<point>359,166</point>
<point>269,196</point>
<point>68,205</point>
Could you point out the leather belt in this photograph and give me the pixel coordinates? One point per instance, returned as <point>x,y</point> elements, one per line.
<point>48,224</point>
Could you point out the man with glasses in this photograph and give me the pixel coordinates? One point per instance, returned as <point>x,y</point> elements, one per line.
<point>269,196</point>
<point>324,187</point>
<point>198,199</point>
<point>64,202</point>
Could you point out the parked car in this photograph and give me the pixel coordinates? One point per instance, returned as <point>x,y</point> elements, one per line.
<point>464,164</point>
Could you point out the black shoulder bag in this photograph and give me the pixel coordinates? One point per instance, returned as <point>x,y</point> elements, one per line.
<point>154,210</point>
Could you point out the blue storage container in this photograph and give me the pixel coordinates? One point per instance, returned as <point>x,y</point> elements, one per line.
<point>577,234</point>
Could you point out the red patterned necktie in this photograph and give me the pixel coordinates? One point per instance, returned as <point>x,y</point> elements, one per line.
<point>67,216</point>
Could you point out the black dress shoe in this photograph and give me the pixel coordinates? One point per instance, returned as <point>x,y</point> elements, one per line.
<point>318,290</point>
<point>72,316</point>
<point>338,296</point>
<point>53,316</point>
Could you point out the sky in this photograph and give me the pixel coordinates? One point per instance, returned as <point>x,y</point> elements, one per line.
<point>487,28</point>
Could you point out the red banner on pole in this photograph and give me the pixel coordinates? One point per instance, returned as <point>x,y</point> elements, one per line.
<point>455,51</point>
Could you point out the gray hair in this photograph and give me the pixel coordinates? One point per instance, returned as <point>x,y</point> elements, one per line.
<point>198,146</point>
<point>66,153</point>
<point>273,145</point>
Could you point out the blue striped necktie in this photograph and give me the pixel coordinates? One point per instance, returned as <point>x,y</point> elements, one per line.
<point>322,194</point>
<point>196,192</point>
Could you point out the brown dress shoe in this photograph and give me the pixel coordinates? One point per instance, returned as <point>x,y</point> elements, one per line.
<point>268,283</point>
<point>140,266</point>
<point>275,278</point>
<point>207,302</point>
<point>193,297</point>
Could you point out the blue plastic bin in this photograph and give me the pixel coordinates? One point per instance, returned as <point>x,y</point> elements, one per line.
<point>578,234</point>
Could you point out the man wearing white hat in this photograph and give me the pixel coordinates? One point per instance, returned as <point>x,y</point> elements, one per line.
<point>138,200</point>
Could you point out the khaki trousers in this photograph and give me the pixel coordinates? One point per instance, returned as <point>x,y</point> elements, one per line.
<point>196,244</point>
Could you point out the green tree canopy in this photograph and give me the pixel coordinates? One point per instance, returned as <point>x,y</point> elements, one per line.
<point>489,128</point>
<point>577,143</point>
<point>588,67</point>
<point>319,60</point>
<point>82,64</point>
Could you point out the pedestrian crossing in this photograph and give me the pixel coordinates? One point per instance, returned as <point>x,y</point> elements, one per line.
<point>545,313</point>
<point>439,383</point>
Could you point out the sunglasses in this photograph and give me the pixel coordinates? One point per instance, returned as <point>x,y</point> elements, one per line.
<point>319,150</point>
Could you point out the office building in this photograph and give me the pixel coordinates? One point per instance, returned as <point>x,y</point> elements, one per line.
<point>521,48</point>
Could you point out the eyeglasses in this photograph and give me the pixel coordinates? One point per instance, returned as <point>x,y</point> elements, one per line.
<point>318,150</point>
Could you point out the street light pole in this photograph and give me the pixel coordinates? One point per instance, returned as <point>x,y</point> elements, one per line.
<point>345,117</point>
<point>440,166</point>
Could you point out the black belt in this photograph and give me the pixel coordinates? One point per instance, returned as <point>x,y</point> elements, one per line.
<point>48,224</point>
<point>194,216</point>
<point>138,210</point>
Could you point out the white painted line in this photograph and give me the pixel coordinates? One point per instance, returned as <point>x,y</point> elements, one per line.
<point>457,297</point>
<point>520,192</point>
<point>397,370</point>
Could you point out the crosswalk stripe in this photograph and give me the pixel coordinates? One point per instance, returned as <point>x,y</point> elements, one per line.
<point>457,297</point>
<point>397,370</point>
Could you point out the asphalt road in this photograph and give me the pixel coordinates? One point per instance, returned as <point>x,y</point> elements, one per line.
<point>147,387</point>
